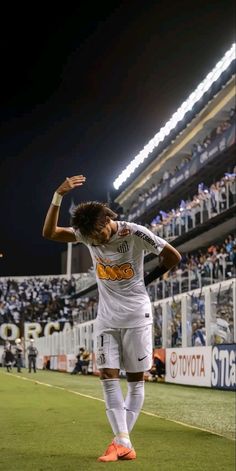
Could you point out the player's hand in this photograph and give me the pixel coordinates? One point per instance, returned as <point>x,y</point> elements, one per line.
<point>70,183</point>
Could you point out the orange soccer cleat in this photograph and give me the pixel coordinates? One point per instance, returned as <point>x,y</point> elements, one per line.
<point>117,452</point>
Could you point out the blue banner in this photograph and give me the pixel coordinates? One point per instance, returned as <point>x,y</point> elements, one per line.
<point>223,373</point>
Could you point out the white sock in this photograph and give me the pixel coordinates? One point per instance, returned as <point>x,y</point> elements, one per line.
<point>115,410</point>
<point>134,402</point>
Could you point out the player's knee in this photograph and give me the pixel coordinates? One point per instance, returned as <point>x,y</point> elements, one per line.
<point>109,373</point>
<point>135,377</point>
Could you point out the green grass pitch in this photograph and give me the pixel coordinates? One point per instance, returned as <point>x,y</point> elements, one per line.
<point>63,426</point>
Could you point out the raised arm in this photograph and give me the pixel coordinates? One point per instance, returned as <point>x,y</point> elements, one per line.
<point>51,230</point>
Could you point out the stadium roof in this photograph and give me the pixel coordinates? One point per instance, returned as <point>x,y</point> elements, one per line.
<point>211,84</point>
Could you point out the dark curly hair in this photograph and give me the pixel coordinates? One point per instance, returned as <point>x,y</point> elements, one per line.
<point>91,217</point>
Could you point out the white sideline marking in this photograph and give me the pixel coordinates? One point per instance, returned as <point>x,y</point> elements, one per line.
<point>101,400</point>
<point>56,387</point>
<point>187,425</point>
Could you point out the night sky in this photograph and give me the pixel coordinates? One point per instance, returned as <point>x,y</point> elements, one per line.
<point>83,89</point>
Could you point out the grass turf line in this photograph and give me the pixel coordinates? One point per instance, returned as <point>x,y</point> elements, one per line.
<point>47,429</point>
<point>205,408</point>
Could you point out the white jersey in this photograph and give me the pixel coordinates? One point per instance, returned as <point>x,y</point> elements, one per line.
<point>118,264</point>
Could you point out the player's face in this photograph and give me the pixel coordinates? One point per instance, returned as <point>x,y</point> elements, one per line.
<point>103,236</point>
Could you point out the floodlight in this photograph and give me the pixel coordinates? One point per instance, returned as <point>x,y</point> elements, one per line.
<point>221,66</point>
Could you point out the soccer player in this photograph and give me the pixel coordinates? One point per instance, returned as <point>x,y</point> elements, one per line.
<point>124,319</point>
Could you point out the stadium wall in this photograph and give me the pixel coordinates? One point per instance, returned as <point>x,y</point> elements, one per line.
<point>209,365</point>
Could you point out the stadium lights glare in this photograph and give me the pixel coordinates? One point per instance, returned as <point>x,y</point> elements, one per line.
<point>186,106</point>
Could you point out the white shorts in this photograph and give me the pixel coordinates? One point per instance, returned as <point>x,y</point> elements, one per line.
<point>128,349</point>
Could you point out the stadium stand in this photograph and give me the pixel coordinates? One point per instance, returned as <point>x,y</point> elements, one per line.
<point>193,171</point>
<point>43,299</point>
<point>162,183</point>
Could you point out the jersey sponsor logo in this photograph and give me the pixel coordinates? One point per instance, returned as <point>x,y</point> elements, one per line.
<point>124,247</point>
<point>115,272</point>
<point>148,239</point>
<point>124,232</point>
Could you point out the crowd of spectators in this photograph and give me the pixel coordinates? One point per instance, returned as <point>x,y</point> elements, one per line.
<point>40,299</point>
<point>197,149</point>
<point>207,203</point>
<point>200,268</point>
<point>83,309</point>
<point>217,262</point>
<point>34,299</point>
<point>52,299</point>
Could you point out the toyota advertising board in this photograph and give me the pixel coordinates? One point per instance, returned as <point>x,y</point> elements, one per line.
<point>190,365</point>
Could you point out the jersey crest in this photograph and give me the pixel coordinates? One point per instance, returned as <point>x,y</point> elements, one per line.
<point>124,247</point>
